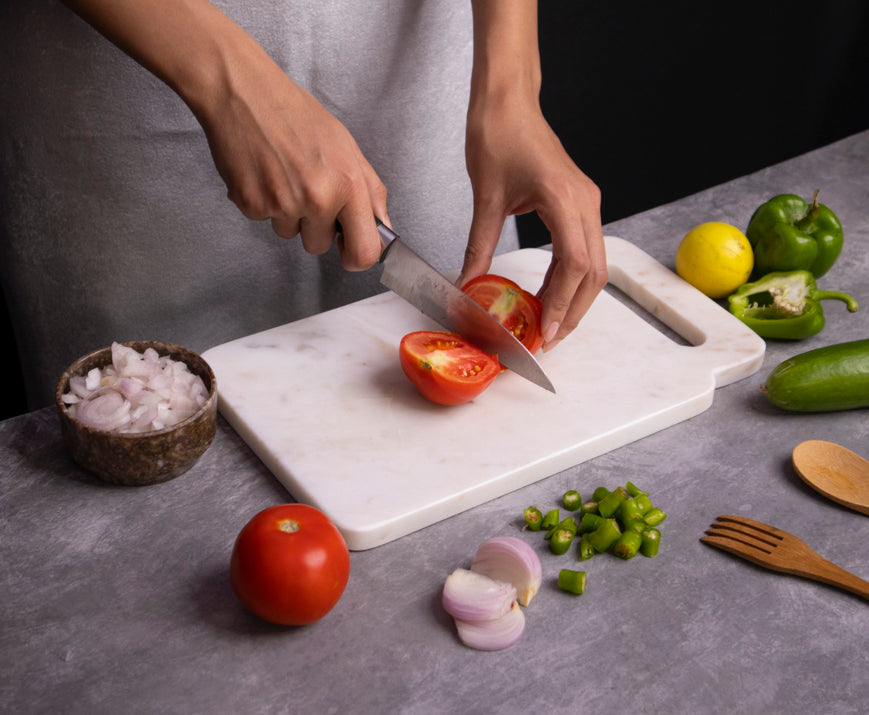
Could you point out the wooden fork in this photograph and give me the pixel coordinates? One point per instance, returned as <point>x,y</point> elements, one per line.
<point>780,551</point>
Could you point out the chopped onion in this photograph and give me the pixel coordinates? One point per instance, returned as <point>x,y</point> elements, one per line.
<point>506,558</point>
<point>104,409</point>
<point>472,596</point>
<point>137,392</point>
<point>494,634</point>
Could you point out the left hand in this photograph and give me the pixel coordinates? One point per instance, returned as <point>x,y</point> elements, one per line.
<point>517,164</point>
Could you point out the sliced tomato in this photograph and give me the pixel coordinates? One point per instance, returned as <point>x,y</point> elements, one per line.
<point>517,310</point>
<point>445,367</point>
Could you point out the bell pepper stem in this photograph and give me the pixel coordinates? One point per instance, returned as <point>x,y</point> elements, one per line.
<point>849,301</point>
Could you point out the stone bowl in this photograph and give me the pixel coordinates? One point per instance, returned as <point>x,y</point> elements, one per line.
<point>141,458</point>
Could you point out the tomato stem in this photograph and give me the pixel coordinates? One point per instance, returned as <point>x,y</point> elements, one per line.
<point>289,526</point>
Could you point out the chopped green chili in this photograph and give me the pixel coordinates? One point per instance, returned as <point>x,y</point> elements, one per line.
<point>590,522</point>
<point>651,542</point>
<point>571,500</point>
<point>599,493</point>
<point>654,517</point>
<point>560,541</point>
<point>588,507</point>
<point>533,518</point>
<point>633,490</point>
<point>610,503</point>
<point>628,545</point>
<point>586,550</point>
<point>572,581</point>
<point>605,535</point>
<point>551,519</point>
<point>566,523</point>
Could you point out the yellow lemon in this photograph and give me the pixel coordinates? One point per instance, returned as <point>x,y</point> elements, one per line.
<point>716,258</point>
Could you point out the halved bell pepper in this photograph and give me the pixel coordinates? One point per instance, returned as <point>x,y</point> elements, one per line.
<point>784,305</point>
<point>787,234</point>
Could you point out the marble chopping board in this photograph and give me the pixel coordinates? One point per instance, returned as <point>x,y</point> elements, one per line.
<point>324,403</point>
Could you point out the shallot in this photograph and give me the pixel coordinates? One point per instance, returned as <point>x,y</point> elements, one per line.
<point>506,558</point>
<point>484,600</point>
<point>471,596</point>
<point>496,634</point>
<point>137,392</point>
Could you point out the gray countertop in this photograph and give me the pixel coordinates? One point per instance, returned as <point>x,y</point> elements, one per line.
<point>118,599</point>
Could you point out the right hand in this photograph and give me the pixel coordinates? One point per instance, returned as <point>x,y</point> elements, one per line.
<point>284,157</point>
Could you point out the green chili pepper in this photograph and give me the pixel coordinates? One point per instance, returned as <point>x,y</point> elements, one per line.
<point>784,305</point>
<point>605,535</point>
<point>571,499</point>
<point>639,525</point>
<point>572,581</point>
<point>589,507</point>
<point>560,541</point>
<point>586,550</point>
<point>654,517</point>
<point>550,520</point>
<point>787,234</point>
<point>651,542</point>
<point>627,545</point>
<point>590,522</point>
<point>599,493</point>
<point>633,489</point>
<point>533,518</point>
<point>610,503</point>
<point>631,509</point>
<point>567,523</point>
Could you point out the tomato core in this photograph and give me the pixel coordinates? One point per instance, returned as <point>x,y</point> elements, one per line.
<point>288,526</point>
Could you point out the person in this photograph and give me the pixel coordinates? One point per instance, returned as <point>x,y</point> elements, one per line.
<point>114,225</point>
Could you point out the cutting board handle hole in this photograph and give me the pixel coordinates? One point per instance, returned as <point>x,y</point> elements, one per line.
<point>656,323</point>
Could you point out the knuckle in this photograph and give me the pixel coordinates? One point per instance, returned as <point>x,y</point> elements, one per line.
<point>597,278</point>
<point>378,192</point>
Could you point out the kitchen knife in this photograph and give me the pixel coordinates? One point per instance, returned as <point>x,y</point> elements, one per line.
<point>408,275</point>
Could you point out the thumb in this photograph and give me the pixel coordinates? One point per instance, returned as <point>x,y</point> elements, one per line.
<point>486,227</point>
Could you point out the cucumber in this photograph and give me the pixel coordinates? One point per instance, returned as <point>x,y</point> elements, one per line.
<point>835,377</point>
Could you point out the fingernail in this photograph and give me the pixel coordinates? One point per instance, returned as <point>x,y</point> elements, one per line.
<point>549,335</point>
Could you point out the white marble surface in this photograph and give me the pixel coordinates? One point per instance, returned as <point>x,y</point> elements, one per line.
<point>324,403</point>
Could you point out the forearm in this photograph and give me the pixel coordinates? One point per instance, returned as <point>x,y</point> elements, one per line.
<point>189,44</point>
<point>506,53</point>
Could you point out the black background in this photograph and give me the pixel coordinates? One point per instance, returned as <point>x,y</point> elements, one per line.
<point>656,101</point>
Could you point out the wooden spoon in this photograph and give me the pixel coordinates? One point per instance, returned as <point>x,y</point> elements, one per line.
<point>836,472</point>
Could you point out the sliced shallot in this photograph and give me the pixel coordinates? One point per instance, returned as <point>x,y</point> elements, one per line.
<point>138,392</point>
<point>471,596</point>
<point>506,558</point>
<point>495,634</point>
<point>106,410</point>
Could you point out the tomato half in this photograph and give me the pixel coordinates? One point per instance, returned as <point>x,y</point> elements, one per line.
<point>445,367</point>
<point>515,308</point>
<point>289,564</point>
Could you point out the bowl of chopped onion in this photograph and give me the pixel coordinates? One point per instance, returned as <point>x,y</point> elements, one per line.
<point>137,413</point>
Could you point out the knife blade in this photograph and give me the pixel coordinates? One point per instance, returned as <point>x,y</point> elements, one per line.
<point>408,275</point>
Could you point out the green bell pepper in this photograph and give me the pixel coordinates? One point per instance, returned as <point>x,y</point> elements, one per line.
<point>784,305</point>
<point>787,234</point>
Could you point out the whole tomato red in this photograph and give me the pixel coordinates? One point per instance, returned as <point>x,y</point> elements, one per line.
<point>515,308</point>
<point>289,565</point>
<point>446,368</point>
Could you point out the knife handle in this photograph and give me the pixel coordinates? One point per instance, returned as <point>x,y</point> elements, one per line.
<point>387,235</point>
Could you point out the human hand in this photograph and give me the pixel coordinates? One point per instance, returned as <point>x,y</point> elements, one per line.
<point>281,154</point>
<point>517,164</point>
<point>284,157</point>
